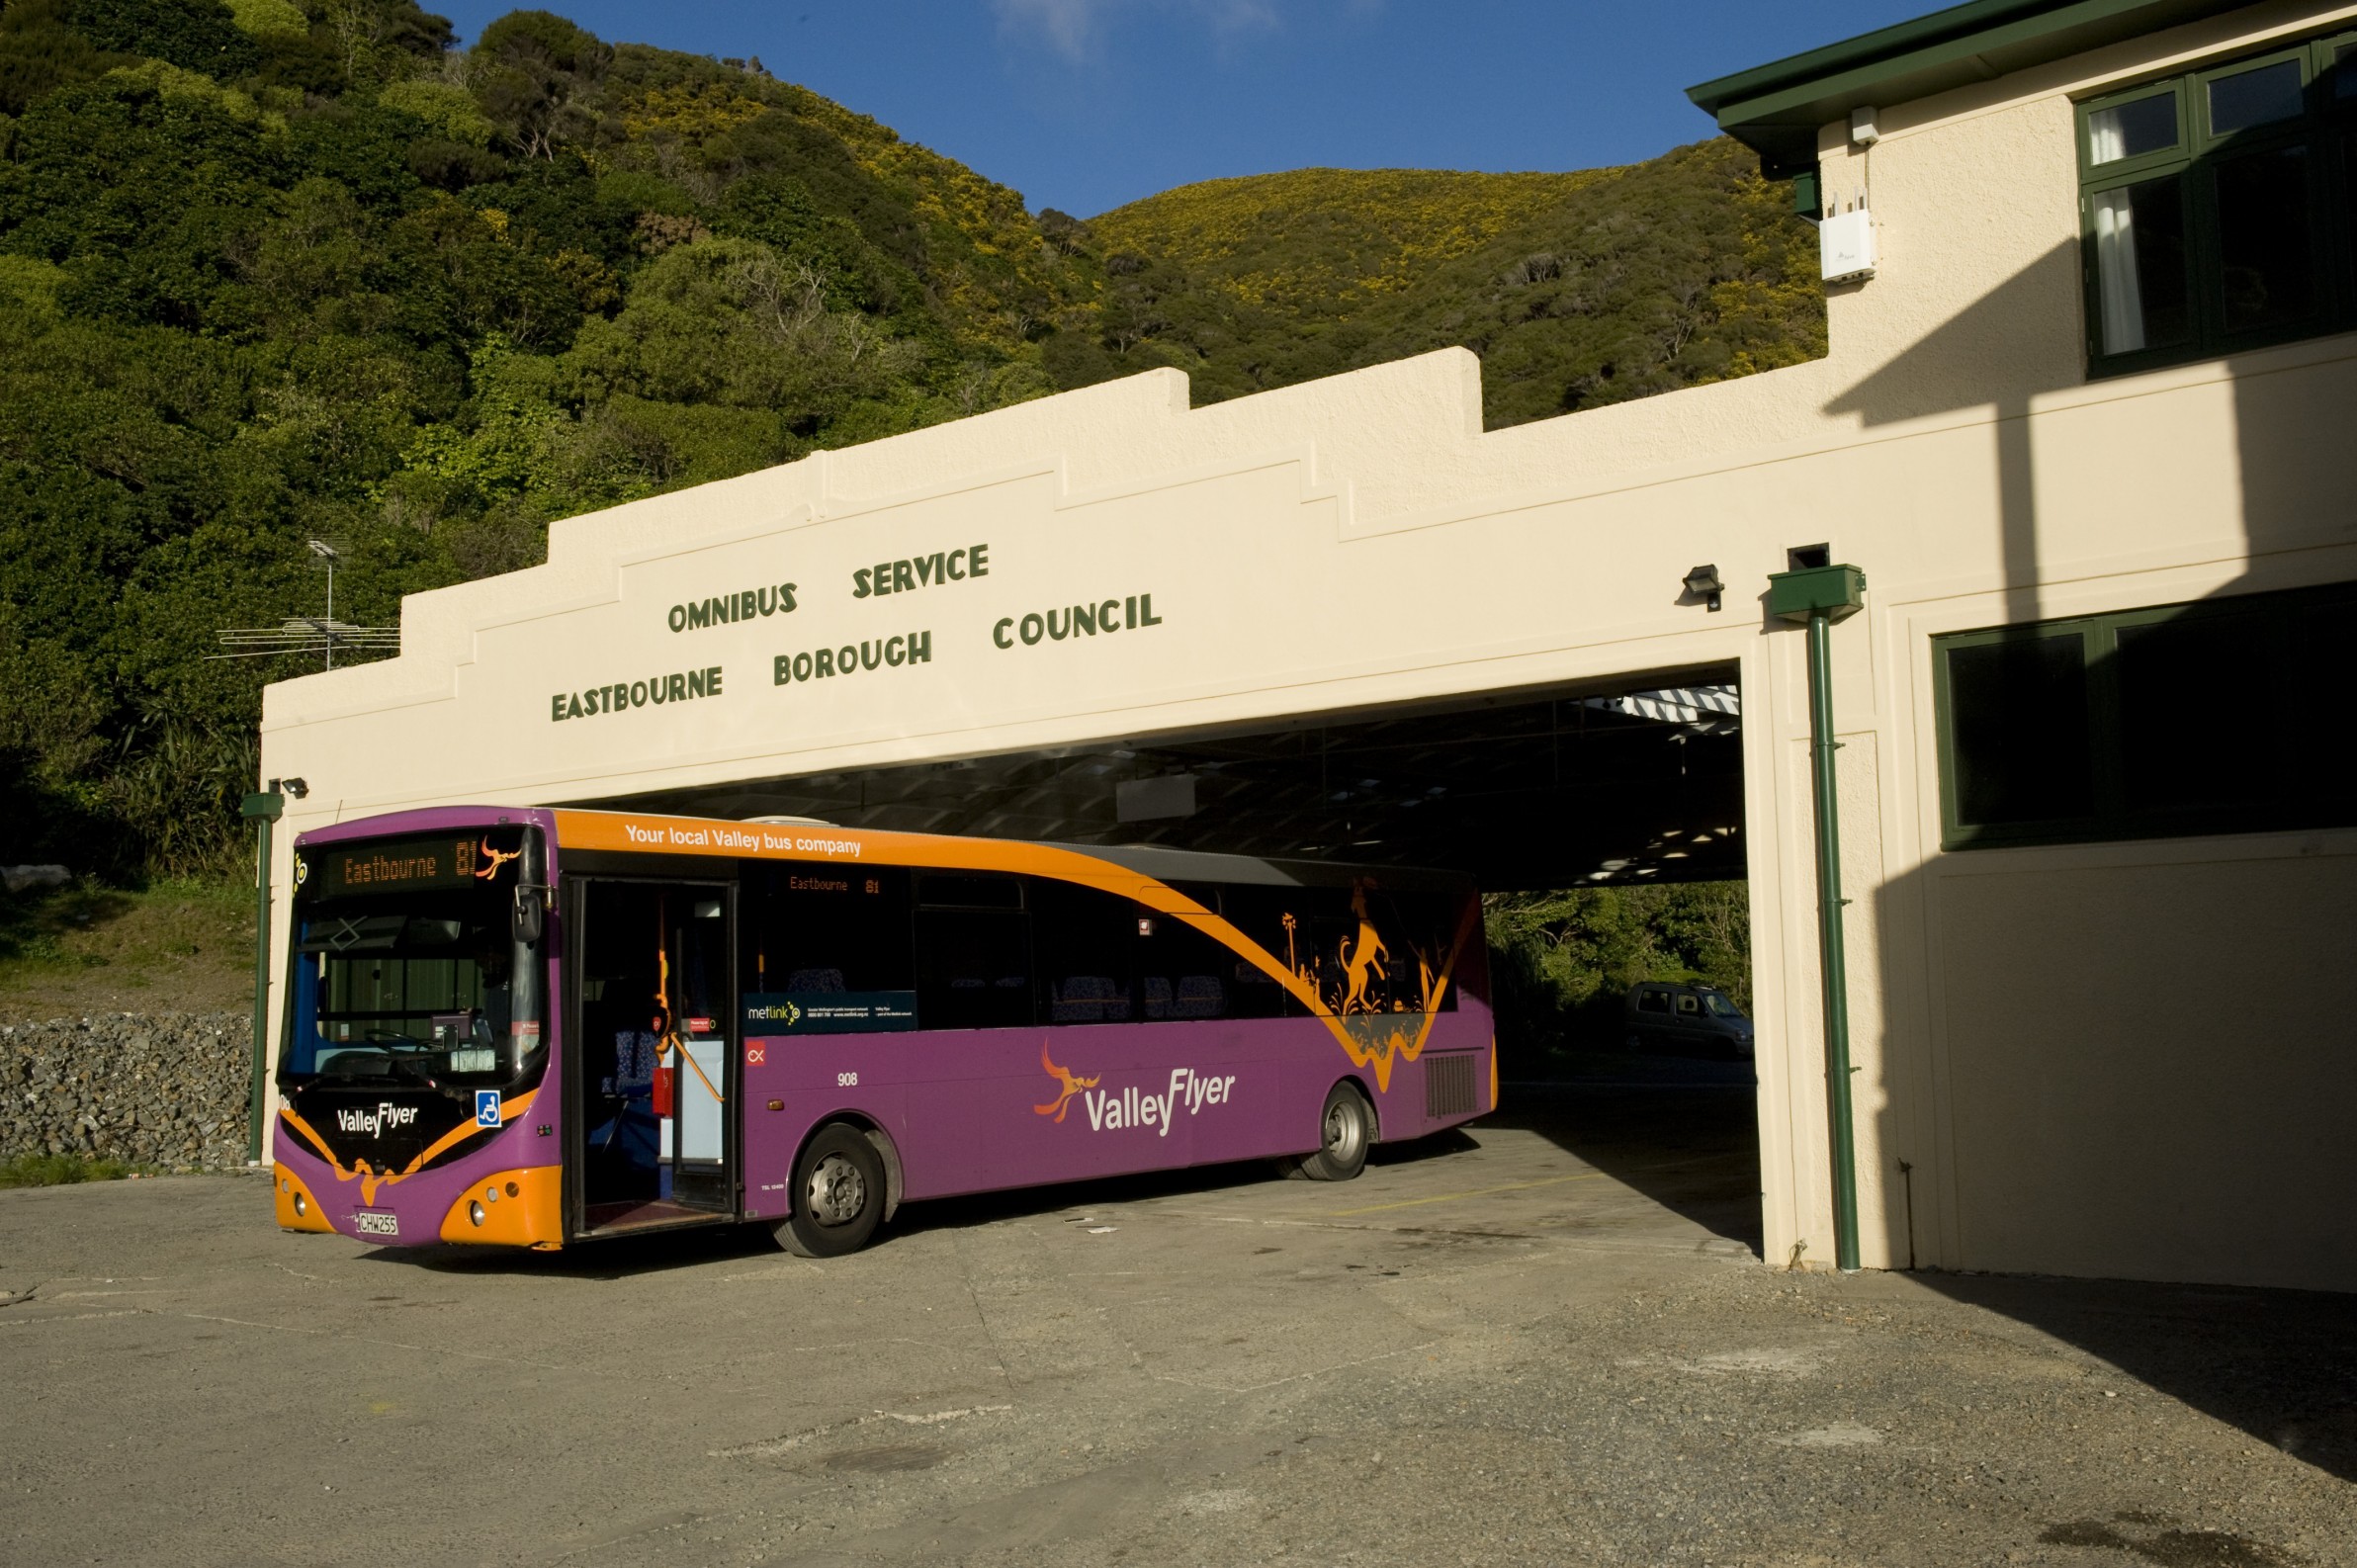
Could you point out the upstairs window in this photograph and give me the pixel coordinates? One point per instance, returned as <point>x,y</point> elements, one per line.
<point>2217,207</point>
<point>2209,718</point>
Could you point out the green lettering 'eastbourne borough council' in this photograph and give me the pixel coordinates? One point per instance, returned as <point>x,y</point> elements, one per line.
<point>879,653</point>
<point>1128,613</point>
<point>682,686</point>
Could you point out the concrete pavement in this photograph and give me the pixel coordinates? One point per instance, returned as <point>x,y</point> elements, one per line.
<point>1545,1339</point>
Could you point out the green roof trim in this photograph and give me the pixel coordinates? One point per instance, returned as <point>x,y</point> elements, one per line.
<point>1776,109</point>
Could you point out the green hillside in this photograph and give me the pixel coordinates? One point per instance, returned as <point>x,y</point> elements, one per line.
<point>281,270</point>
<point>274,271</point>
<point>1576,290</point>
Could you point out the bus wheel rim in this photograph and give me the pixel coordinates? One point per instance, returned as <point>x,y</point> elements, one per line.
<point>837,1191</point>
<point>1341,1130</point>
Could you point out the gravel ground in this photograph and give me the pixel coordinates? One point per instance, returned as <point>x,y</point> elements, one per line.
<point>162,1090</point>
<point>1544,1341</point>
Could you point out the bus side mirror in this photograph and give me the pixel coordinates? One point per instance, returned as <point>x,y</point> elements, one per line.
<point>531,920</point>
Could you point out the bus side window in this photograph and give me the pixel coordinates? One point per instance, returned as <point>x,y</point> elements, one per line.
<point>973,953</point>
<point>1183,973</point>
<point>1419,930</point>
<point>1087,944</point>
<point>824,929</point>
<point>1260,913</point>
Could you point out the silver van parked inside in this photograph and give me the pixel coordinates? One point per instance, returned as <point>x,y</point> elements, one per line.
<point>1686,1020</point>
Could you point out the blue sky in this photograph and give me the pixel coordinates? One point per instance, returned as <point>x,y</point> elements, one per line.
<point>1087,104</point>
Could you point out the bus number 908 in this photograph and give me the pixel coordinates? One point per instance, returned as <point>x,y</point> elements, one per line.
<point>847,1080</point>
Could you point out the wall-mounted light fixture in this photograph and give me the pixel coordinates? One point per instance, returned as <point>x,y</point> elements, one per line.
<point>295,787</point>
<point>1703,584</point>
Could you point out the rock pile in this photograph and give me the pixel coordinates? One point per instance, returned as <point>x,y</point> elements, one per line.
<point>167,1091</point>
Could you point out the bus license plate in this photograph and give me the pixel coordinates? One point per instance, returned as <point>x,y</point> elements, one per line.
<point>369,1223</point>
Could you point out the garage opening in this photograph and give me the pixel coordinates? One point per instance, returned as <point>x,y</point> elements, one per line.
<point>1603,820</point>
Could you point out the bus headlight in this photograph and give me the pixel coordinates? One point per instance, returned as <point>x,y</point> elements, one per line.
<point>301,1209</point>
<point>474,1211</point>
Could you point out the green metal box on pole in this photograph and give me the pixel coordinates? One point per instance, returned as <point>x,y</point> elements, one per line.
<point>1819,596</point>
<point>263,810</point>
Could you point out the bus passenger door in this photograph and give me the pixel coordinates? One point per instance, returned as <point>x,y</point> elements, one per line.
<point>655,1069</point>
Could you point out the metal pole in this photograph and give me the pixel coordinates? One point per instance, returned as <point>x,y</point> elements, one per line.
<point>1831,967</point>
<point>264,809</point>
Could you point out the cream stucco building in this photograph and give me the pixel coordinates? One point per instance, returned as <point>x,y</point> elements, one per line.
<point>2099,946</point>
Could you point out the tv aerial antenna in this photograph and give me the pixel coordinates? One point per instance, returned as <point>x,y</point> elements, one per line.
<point>309,634</point>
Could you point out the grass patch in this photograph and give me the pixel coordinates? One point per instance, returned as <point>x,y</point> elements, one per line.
<point>62,1169</point>
<point>175,945</point>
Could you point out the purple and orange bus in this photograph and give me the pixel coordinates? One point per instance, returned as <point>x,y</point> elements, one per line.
<point>536,1028</point>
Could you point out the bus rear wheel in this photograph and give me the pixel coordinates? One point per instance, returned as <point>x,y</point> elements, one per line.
<point>1348,1128</point>
<point>837,1193</point>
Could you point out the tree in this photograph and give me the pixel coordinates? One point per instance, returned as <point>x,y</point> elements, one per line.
<point>534,73</point>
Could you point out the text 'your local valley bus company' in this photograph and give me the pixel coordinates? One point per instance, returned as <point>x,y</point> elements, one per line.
<point>902,648</point>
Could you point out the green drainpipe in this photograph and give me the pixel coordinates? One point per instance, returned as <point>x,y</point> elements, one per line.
<point>1819,596</point>
<point>263,809</point>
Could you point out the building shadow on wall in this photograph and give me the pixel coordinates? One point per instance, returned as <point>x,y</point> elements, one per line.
<point>2280,1364</point>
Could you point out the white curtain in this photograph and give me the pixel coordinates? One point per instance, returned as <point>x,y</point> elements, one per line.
<point>2115,243</point>
<point>2115,272</point>
<point>2105,143</point>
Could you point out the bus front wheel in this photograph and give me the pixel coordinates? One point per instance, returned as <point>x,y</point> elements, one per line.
<point>838,1195</point>
<point>1346,1128</point>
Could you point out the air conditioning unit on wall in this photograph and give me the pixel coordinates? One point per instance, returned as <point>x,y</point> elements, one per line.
<point>1845,245</point>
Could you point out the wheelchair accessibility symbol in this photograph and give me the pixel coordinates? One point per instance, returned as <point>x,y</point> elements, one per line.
<point>486,1107</point>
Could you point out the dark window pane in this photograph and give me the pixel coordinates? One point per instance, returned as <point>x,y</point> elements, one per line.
<point>2198,721</point>
<point>970,893</point>
<point>2131,130</point>
<point>2018,731</point>
<point>2255,97</point>
<point>2323,754</point>
<point>2266,275</point>
<point>2348,187</point>
<point>824,928</point>
<point>2139,265</point>
<point>1273,918</point>
<point>973,969</point>
<point>1183,973</point>
<point>1087,945</point>
<point>2344,74</point>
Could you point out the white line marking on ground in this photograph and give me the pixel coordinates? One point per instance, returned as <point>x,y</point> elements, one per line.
<point>770,1447</point>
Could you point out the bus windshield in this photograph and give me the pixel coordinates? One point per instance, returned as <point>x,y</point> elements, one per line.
<point>410,967</point>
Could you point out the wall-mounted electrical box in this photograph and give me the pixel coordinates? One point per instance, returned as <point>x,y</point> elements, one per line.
<point>1845,245</point>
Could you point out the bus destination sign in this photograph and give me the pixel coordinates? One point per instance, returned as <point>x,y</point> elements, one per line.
<point>404,865</point>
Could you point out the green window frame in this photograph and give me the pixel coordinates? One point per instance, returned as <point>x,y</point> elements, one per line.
<point>2221,716</point>
<point>2235,232</point>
